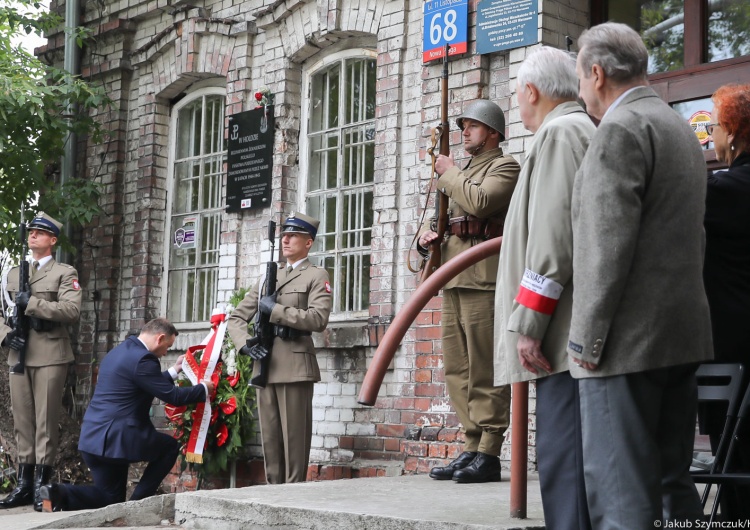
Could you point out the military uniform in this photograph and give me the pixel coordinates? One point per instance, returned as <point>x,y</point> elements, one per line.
<point>482,190</point>
<point>303,304</point>
<point>36,395</point>
<point>479,197</point>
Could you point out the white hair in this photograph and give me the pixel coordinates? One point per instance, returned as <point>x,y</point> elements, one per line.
<point>551,71</point>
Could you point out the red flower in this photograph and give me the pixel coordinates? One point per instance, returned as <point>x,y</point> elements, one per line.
<point>258,96</point>
<point>214,415</point>
<point>229,406</point>
<point>174,413</point>
<point>234,379</point>
<point>222,435</point>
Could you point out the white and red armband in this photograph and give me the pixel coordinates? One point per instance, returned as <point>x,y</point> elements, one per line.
<point>538,293</point>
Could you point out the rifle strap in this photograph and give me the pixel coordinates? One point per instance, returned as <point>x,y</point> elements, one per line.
<point>434,139</point>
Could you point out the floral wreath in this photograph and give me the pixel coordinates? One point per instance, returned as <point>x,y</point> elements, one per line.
<point>232,421</point>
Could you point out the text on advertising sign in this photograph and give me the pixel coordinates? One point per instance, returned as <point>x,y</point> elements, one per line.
<point>506,24</point>
<point>444,22</point>
<point>250,159</point>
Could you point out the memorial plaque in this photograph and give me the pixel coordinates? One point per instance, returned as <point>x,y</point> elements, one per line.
<point>506,24</point>
<point>250,159</point>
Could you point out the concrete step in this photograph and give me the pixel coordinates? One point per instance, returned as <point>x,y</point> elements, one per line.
<point>413,502</point>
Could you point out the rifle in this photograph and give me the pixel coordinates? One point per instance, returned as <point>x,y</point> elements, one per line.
<point>21,321</point>
<point>432,262</point>
<point>262,343</point>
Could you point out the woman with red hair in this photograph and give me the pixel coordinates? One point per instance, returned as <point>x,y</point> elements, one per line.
<point>726,272</point>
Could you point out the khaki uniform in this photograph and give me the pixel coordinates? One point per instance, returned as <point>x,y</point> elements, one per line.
<point>285,406</point>
<point>36,396</point>
<point>482,190</point>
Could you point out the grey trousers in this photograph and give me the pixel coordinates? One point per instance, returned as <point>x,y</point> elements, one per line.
<point>638,432</point>
<point>559,451</point>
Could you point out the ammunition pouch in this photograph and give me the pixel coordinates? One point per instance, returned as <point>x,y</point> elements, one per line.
<point>39,324</point>
<point>469,226</point>
<point>287,333</point>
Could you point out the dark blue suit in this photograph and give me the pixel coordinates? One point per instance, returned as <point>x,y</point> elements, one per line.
<point>117,429</point>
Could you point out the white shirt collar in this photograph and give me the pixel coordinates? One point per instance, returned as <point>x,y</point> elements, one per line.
<point>297,263</point>
<point>46,259</point>
<point>619,100</point>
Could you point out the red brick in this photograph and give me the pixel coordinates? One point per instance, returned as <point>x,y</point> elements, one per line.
<point>428,333</point>
<point>392,444</point>
<point>438,450</point>
<point>428,361</point>
<point>423,376</point>
<point>429,389</point>
<point>391,431</point>
<point>415,448</point>
<point>448,435</point>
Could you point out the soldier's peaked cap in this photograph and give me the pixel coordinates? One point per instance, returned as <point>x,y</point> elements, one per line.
<point>44,222</point>
<point>300,223</point>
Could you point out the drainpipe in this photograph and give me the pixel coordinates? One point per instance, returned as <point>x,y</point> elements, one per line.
<point>71,64</point>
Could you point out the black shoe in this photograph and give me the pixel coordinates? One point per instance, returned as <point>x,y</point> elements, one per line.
<point>23,495</point>
<point>53,498</point>
<point>42,476</point>
<point>446,473</point>
<point>484,468</point>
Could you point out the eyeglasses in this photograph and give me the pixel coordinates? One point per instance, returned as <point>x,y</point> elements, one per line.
<point>710,127</point>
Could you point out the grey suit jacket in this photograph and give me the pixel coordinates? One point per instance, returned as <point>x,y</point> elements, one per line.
<point>638,243</point>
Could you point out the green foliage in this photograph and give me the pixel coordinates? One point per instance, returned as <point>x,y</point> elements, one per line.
<point>34,123</point>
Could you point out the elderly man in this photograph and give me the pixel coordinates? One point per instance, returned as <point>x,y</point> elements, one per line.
<point>640,318</point>
<point>535,279</point>
<point>478,201</point>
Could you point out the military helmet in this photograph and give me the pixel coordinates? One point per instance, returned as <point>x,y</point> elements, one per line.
<point>486,112</point>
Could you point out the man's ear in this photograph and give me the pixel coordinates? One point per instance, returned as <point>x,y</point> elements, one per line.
<point>599,76</point>
<point>309,243</point>
<point>533,92</point>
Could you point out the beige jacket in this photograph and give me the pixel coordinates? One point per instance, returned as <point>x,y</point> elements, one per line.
<point>534,293</point>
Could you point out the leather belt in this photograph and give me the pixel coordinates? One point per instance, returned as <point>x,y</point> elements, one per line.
<point>469,226</point>
<point>285,332</point>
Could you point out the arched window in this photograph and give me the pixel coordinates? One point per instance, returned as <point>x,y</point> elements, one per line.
<point>340,167</point>
<point>197,157</point>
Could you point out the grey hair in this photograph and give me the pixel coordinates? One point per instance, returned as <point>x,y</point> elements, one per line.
<point>617,48</point>
<point>551,71</point>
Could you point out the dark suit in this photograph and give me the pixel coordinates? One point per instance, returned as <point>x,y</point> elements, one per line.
<point>117,429</point>
<point>639,312</point>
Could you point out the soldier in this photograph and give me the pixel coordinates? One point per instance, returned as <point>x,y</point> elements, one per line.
<point>301,305</point>
<point>479,197</point>
<point>36,395</point>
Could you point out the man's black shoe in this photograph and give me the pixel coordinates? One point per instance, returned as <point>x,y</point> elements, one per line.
<point>484,468</point>
<point>42,476</point>
<point>23,495</point>
<point>446,473</point>
<point>53,498</point>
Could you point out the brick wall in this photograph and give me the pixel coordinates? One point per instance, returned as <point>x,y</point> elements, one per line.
<point>148,53</point>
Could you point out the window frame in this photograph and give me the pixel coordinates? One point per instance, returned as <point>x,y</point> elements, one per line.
<point>200,90</point>
<point>308,72</point>
<point>698,79</point>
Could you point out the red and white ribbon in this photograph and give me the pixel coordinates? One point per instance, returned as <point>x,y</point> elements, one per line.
<point>538,292</point>
<point>197,372</point>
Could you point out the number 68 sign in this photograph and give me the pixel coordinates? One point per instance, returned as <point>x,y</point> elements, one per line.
<point>445,22</point>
